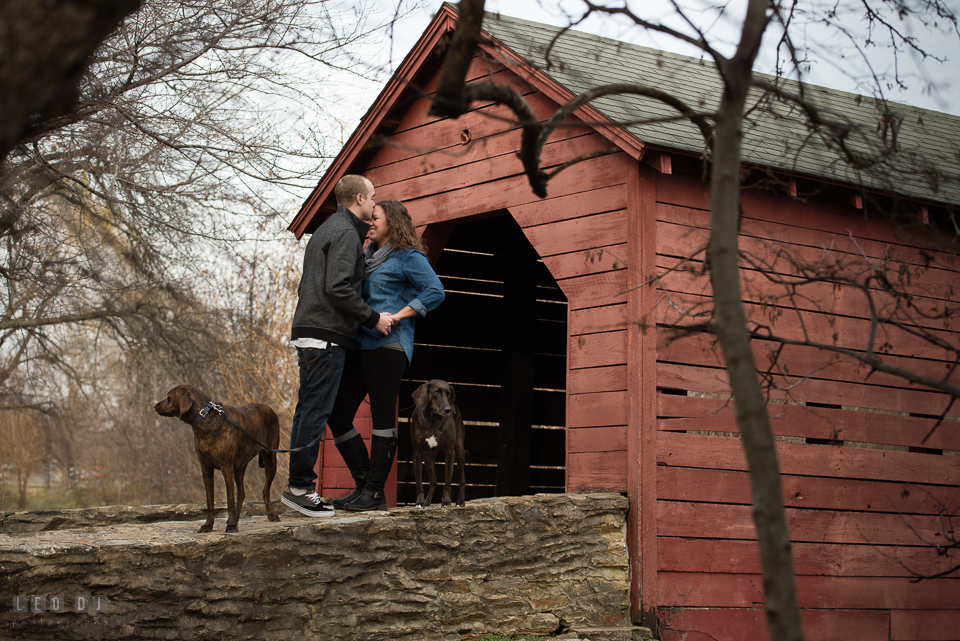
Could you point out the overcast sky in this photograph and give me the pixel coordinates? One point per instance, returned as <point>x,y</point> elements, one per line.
<point>835,62</point>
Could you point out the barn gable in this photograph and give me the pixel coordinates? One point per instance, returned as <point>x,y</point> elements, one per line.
<point>566,364</point>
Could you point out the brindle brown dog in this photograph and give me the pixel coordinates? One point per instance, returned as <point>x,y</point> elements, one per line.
<point>222,446</point>
<point>437,426</point>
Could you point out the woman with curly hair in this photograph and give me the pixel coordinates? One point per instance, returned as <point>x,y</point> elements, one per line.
<point>398,277</point>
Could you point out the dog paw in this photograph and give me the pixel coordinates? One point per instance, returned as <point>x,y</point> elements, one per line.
<point>206,527</point>
<point>273,517</point>
<point>231,528</point>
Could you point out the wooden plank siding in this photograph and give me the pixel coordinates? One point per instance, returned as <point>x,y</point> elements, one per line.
<point>333,477</point>
<point>578,236</point>
<point>861,507</point>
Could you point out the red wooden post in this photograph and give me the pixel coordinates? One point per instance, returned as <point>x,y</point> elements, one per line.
<point>642,386</point>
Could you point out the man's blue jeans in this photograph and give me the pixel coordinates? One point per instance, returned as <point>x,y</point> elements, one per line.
<point>320,371</point>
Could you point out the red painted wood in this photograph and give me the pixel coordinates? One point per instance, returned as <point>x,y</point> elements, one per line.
<point>597,319</point>
<point>549,210</point>
<point>701,379</point>
<point>809,492</point>
<point>417,114</point>
<point>694,379</point>
<point>599,409</point>
<point>684,191</point>
<point>617,134</point>
<point>677,240</point>
<point>401,153</point>
<point>765,288</point>
<point>717,415</point>
<point>809,246</point>
<point>597,350</point>
<point>750,624</point>
<point>587,261</point>
<point>924,625</point>
<point>712,520</point>
<point>800,246</point>
<point>816,327</point>
<point>485,170</point>
<point>596,472</point>
<point>435,237</point>
<point>837,227</point>
<point>840,221</point>
<point>597,379</point>
<point>438,149</point>
<point>480,67</point>
<point>872,234</point>
<point>336,479</point>
<point>717,452</point>
<point>333,479</point>
<point>440,145</point>
<point>732,556</point>
<point>746,591</point>
<point>573,234</point>
<point>595,290</point>
<point>797,361</point>
<point>596,439</point>
<point>642,521</point>
<point>512,191</point>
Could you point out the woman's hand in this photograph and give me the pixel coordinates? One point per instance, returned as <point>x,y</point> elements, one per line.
<point>406,312</point>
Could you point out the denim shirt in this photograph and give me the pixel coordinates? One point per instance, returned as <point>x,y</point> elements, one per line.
<point>404,278</point>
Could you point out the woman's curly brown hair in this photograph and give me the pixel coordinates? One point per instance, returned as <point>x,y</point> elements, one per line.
<point>403,235</point>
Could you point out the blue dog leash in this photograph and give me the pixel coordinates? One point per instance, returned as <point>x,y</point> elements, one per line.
<point>218,408</point>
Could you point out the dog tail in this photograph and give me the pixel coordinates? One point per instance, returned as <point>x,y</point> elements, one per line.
<point>260,459</point>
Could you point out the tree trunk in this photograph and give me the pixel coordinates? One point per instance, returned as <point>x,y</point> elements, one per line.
<point>783,616</point>
<point>22,490</point>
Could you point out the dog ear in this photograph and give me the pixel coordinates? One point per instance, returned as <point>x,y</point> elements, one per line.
<point>182,401</point>
<point>420,395</point>
<point>453,394</point>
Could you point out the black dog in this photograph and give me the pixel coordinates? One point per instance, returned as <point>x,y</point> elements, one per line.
<point>437,426</point>
<point>222,446</point>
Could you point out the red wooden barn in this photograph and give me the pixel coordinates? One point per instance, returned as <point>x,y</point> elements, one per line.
<point>561,355</point>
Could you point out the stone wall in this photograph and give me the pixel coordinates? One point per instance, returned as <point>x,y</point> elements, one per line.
<point>507,565</point>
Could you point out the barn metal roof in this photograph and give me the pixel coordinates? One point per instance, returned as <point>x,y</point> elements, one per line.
<point>926,165</point>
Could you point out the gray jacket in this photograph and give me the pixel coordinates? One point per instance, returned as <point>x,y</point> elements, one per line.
<point>330,306</point>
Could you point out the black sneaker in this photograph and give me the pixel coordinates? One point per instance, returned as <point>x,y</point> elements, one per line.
<point>309,504</point>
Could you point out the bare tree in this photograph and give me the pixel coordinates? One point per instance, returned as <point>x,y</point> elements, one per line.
<point>21,453</point>
<point>191,123</point>
<point>864,153</point>
<point>44,50</point>
<point>255,361</point>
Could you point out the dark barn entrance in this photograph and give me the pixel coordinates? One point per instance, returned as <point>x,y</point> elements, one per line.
<point>500,339</point>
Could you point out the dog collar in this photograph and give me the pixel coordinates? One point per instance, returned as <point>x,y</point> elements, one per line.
<point>212,405</point>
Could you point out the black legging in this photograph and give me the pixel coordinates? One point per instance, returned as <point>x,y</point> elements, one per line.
<point>376,372</point>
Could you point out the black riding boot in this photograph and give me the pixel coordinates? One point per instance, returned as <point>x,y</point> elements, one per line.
<point>382,451</point>
<point>354,454</point>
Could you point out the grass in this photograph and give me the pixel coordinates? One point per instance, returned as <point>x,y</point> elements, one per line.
<point>55,498</point>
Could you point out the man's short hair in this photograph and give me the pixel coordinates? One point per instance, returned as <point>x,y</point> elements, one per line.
<point>347,189</point>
